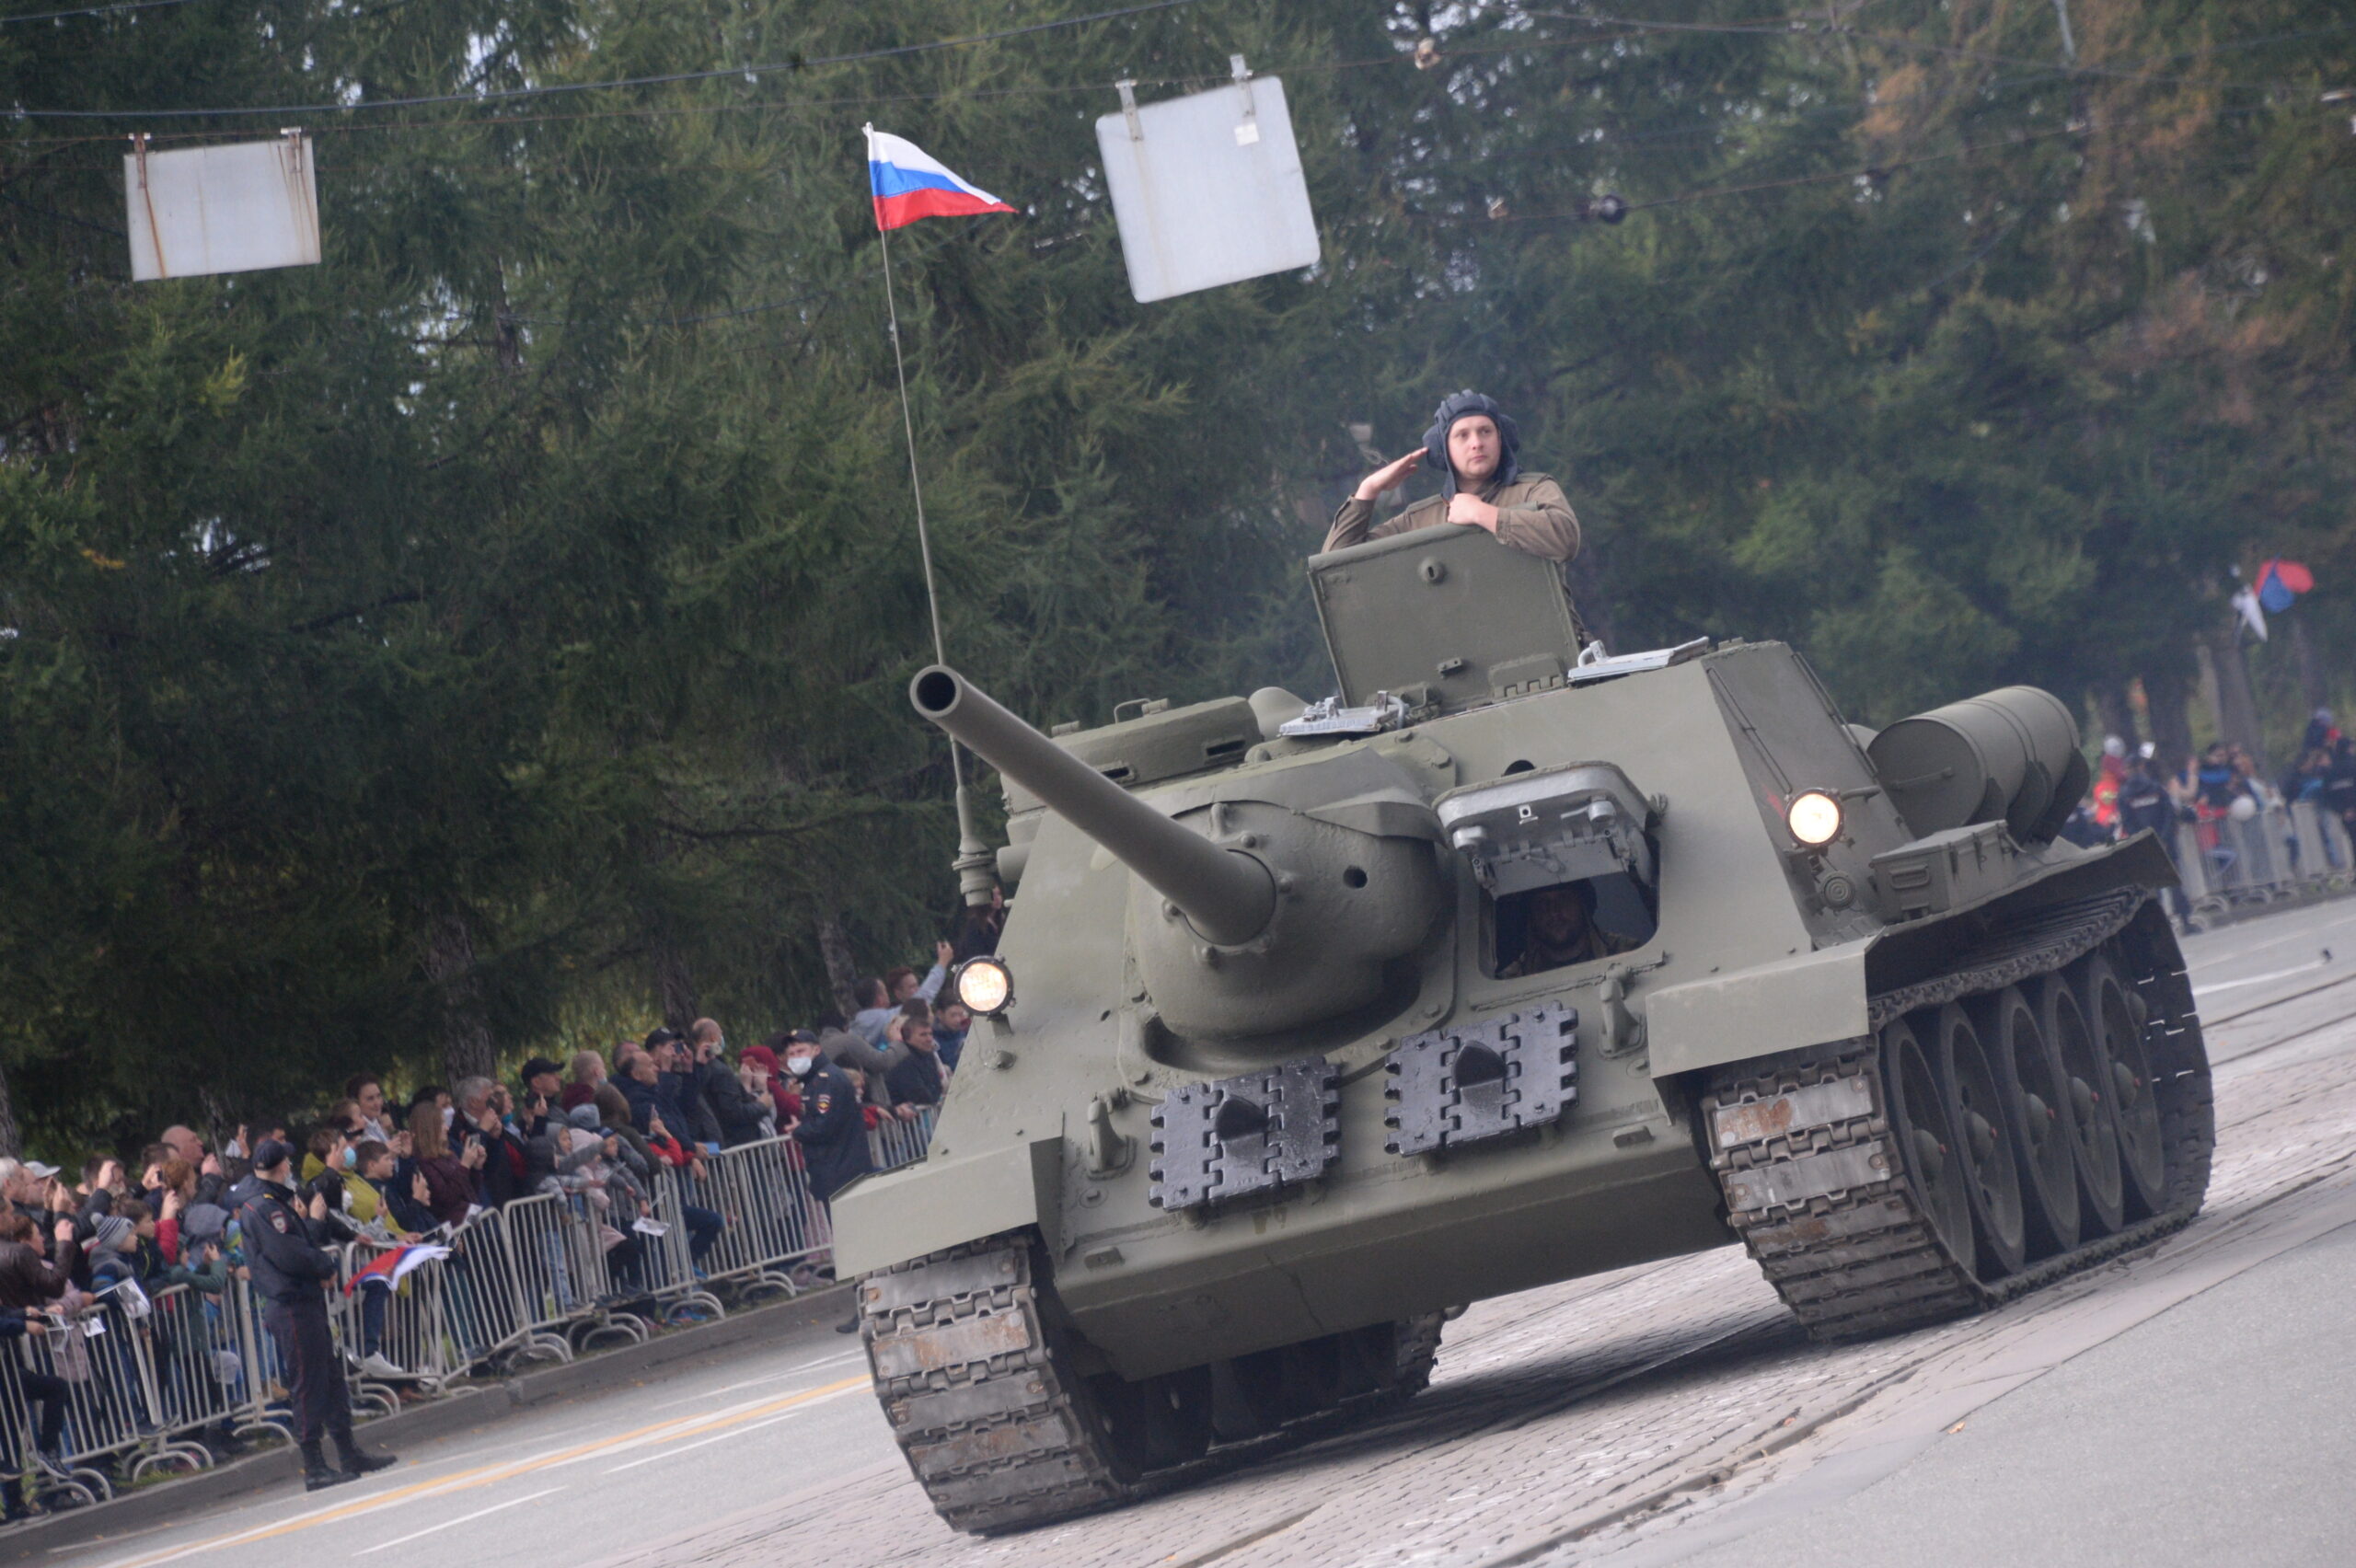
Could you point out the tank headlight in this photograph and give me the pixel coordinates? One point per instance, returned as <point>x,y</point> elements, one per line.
<point>985,985</point>
<point>1814,818</point>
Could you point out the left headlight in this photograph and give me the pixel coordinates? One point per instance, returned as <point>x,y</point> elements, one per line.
<point>985,985</point>
<point>1814,818</point>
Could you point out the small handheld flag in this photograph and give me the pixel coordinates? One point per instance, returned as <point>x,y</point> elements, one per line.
<point>909,184</point>
<point>2280,582</point>
<point>394,1265</point>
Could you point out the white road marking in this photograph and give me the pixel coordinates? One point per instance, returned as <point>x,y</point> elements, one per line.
<point>461,1519</point>
<point>2212,990</point>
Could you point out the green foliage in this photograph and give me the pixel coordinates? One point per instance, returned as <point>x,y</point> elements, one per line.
<point>499,632</point>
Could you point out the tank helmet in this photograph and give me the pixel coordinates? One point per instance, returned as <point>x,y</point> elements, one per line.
<point>1454,408</point>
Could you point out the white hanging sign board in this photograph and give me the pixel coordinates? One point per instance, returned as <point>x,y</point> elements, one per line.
<point>1208,190</point>
<point>230,209</point>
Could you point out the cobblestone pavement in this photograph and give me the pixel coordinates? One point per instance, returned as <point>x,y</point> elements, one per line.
<point>1571,1422</point>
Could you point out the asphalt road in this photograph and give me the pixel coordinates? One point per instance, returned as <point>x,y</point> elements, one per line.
<point>2189,1406</point>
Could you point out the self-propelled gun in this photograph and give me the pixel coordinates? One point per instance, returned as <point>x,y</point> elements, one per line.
<point>1508,963</point>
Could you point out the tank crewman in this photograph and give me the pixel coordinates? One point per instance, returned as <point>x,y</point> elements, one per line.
<point>289,1268</point>
<point>1560,922</point>
<point>1475,448</point>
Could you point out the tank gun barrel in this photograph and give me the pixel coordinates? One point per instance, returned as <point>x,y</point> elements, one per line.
<point>1226,895</point>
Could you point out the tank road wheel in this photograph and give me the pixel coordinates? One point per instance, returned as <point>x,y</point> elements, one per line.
<point>1984,1139</point>
<point>1921,1127</point>
<point>979,1379</point>
<point>1157,1423</point>
<point>1414,1350</point>
<point>2116,1023</point>
<point>2091,1130</point>
<point>1381,1365</point>
<point>1879,1181</point>
<point>2030,1087</point>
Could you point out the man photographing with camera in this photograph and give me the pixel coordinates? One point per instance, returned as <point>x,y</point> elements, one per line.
<point>290,1268</point>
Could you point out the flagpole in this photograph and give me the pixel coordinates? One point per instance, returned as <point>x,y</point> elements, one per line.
<point>916,479</point>
<point>976,867</point>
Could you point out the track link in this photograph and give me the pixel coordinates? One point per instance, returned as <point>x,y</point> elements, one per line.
<point>975,1372</point>
<point>1815,1185</point>
<point>997,1432</point>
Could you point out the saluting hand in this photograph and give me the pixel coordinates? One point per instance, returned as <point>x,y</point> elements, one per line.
<point>1391,476</point>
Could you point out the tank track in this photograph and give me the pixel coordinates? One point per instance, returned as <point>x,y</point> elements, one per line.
<point>1835,1223</point>
<point>975,1376</point>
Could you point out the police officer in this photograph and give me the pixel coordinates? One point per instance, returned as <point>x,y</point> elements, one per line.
<point>289,1267</point>
<point>832,1130</point>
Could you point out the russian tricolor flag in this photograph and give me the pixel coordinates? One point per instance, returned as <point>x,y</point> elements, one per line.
<point>910,184</point>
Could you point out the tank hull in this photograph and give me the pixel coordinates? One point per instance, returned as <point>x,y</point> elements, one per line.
<point>1741,965</point>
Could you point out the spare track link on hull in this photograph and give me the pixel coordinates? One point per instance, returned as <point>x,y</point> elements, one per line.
<point>1843,1238</point>
<point>994,1423</point>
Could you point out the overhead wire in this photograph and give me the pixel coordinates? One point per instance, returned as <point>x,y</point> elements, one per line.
<point>1788,26</point>
<point>755,106</point>
<point>1635,27</point>
<point>92,11</point>
<point>1800,24</point>
<point>504,95</point>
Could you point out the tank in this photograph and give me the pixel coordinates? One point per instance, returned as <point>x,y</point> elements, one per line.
<point>1508,963</point>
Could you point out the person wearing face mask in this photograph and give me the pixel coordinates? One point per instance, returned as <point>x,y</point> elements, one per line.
<point>832,1133</point>
<point>1474,447</point>
<point>832,1130</point>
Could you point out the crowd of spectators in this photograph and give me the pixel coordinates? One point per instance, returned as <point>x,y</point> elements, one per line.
<point>2133,792</point>
<point>392,1170</point>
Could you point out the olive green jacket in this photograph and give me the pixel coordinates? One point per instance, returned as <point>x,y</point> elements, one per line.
<point>1533,516</point>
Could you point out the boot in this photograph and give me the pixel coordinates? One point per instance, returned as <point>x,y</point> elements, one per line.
<point>356,1462</point>
<point>316,1472</point>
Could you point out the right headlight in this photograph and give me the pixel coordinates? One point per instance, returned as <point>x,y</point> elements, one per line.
<point>985,985</point>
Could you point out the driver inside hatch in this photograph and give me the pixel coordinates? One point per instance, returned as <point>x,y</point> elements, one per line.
<point>1560,922</point>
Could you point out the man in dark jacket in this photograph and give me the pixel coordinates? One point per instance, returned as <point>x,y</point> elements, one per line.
<point>915,1080</point>
<point>2145,806</point>
<point>289,1267</point>
<point>678,1096</point>
<point>832,1131</point>
<point>735,1115</point>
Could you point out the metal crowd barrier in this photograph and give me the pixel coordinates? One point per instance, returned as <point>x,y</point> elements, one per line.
<point>769,1220</point>
<point>542,1276</point>
<point>2283,851</point>
<point>894,1143</point>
